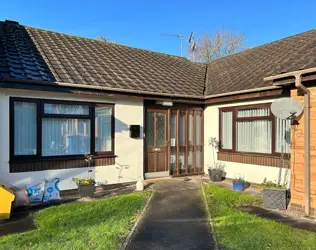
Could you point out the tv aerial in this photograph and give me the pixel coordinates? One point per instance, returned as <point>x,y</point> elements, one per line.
<point>179,36</point>
<point>286,108</point>
<point>192,45</point>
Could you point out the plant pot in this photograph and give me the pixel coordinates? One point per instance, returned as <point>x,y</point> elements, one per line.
<point>238,186</point>
<point>275,198</point>
<point>86,190</point>
<point>215,175</point>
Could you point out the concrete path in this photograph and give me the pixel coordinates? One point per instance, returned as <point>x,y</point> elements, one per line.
<point>175,219</point>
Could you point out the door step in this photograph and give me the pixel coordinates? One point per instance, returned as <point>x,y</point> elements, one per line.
<point>157,174</point>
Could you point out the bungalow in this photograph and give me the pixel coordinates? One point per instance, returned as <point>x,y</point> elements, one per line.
<point>143,114</point>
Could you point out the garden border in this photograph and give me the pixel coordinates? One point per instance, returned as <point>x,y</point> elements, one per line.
<point>140,215</point>
<point>210,218</point>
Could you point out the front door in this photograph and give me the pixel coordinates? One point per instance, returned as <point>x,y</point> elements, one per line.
<point>156,143</point>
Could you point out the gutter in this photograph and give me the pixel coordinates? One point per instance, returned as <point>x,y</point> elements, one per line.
<point>300,86</point>
<point>139,92</point>
<point>96,87</point>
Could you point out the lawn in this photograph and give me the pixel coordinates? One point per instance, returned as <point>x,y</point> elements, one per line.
<point>238,230</point>
<point>101,224</point>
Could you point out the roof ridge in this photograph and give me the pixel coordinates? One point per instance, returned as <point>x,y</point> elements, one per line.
<point>107,43</point>
<point>262,45</point>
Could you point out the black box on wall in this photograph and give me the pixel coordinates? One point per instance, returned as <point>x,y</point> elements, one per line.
<point>134,131</point>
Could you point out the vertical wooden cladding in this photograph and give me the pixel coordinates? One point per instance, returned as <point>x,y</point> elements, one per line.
<point>255,159</point>
<point>41,165</point>
<point>188,154</point>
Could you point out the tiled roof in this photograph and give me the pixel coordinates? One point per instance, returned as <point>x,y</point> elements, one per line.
<point>35,54</point>
<point>246,70</point>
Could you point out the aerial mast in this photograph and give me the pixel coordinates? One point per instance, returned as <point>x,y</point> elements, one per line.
<point>179,36</point>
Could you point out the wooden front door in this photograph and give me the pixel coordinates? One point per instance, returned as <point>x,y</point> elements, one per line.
<point>156,143</point>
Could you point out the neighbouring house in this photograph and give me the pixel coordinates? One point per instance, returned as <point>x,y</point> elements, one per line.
<point>143,114</point>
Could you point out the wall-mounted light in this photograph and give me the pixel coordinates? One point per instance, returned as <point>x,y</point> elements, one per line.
<point>165,103</point>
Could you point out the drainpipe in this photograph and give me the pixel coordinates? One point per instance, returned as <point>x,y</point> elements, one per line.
<point>300,86</point>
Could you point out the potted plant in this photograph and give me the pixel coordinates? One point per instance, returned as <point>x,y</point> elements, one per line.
<point>239,184</point>
<point>274,194</point>
<point>86,186</point>
<point>216,171</point>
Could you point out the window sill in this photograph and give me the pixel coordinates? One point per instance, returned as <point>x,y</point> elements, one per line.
<point>250,158</point>
<point>56,163</point>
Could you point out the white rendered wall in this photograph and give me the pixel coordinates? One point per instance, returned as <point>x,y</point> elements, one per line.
<point>251,173</point>
<point>129,163</point>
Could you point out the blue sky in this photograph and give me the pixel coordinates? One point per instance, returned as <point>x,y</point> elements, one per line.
<point>140,23</point>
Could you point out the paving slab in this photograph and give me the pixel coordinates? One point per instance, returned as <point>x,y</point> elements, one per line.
<point>175,219</point>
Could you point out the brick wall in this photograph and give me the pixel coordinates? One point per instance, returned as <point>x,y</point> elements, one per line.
<point>297,158</point>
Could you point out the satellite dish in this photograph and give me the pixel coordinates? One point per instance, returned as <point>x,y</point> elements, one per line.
<point>286,108</point>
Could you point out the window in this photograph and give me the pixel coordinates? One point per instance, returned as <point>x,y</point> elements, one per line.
<point>254,130</point>
<point>49,128</point>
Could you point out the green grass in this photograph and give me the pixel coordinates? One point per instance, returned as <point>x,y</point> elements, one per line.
<point>101,224</point>
<point>239,230</point>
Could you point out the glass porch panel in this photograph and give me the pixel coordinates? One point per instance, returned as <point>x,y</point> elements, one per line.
<point>198,141</point>
<point>173,162</point>
<point>182,160</point>
<point>190,160</point>
<point>182,130</point>
<point>198,130</point>
<point>190,131</point>
<point>161,129</point>
<point>198,160</point>
<point>173,127</point>
<point>150,129</point>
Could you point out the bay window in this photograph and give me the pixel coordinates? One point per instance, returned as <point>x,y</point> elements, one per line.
<point>42,129</point>
<point>253,129</point>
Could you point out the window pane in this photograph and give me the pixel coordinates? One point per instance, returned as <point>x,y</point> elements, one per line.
<point>150,129</point>
<point>161,140</point>
<point>190,159</point>
<point>65,136</point>
<point>25,116</point>
<point>173,124</point>
<point>282,142</point>
<point>254,136</point>
<point>66,109</point>
<point>103,129</point>
<point>253,112</point>
<point>190,129</point>
<point>182,130</point>
<point>198,130</point>
<point>181,160</point>
<point>198,159</point>
<point>227,130</point>
<point>173,159</point>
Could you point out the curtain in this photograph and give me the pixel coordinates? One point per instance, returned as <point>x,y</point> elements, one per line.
<point>227,130</point>
<point>103,129</point>
<point>254,136</point>
<point>25,116</point>
<point>282,138</point>
<point>66,109</point>
<point>253,112</point>
<point>62,136</point>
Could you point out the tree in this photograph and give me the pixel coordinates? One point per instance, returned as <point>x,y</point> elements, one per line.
<point>218,44</point>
